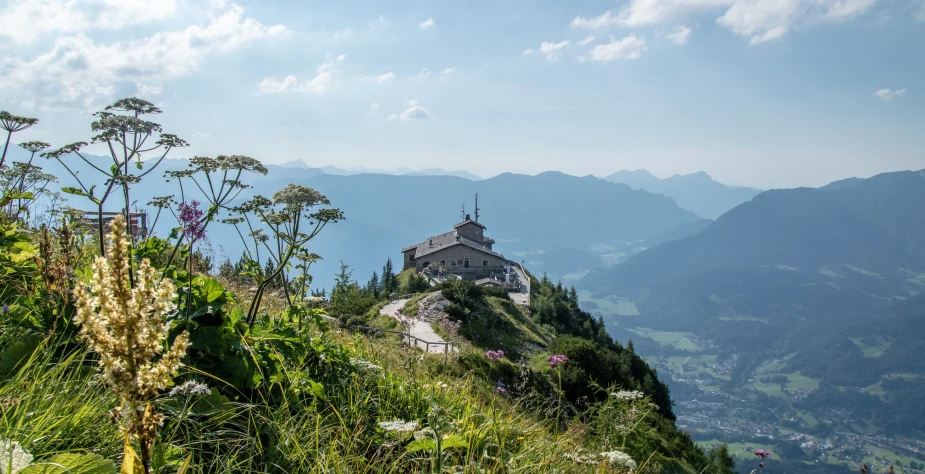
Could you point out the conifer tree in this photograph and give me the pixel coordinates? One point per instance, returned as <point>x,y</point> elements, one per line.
<point>374,286</point>
<point>389,283</point>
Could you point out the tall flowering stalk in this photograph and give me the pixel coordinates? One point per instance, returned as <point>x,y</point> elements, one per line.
<point>555,362</point>
<point>762,454</point>
<point>127,327</point>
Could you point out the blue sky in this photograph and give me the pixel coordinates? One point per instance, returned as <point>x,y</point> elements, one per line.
<point>766,93</point>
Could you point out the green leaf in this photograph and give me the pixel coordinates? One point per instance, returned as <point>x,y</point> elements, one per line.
<point>72,463</point>
<point>16,353</point>
<point>213,290</point>
<point>417,445</point>
<point>454,441</point>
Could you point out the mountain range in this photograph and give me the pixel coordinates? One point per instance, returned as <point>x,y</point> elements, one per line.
<point>811,299</point>
<point>697,192</point>
<point>398,171</point>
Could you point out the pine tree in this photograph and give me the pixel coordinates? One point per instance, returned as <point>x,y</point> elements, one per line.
<point>374,286</point>
<point>573,296</point>
<point>389,283</point>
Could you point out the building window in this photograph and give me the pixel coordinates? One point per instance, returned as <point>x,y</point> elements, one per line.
<point>411,258</point>
<point>466,263</point>
<point>453,262</point>
<point>443,263</point>
<point>484,263</point>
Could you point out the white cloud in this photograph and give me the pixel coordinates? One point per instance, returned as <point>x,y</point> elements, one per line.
<point>428,23</point>
<point>27,104</point>
<point>24,21</point>
<point>342,34</point>
<point>374,105</point>
<point>387,77</point>
<point>761,21</point>
<point>202,135</point>
<point>605,20</point>
<point>630,47</point>
<point>679,35</point>
<point>414,112</point>
<point>78,69</point>
<point>146,91</point>
<point>839,9</point>
<point>758,20</point>
<point>319,84</point>
<point>553,51</point>
<point>585,41</point>
<point>413,102</point>
<point>888,94</point>
<point>449,70</point>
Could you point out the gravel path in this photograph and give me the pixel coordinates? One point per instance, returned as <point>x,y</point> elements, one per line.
<point>419,329</point>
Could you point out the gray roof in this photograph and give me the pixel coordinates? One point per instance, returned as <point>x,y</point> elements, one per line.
<point>468,221</point>
<point>447,240</point>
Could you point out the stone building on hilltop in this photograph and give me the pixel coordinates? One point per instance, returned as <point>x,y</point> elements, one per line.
<point>464,251</point>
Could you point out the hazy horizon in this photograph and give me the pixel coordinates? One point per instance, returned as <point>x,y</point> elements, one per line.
<point>764,94</point>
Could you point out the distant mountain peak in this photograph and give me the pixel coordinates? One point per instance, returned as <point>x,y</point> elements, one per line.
<point>294,164</point>
<point>697,192</point>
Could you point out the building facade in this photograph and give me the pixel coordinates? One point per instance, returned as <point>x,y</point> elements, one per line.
<point>464,251</point>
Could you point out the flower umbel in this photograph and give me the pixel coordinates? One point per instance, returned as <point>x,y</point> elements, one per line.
<point>556,360</point>
<point>127,328</point>
<point>494,355</point>
<point>190,216</point>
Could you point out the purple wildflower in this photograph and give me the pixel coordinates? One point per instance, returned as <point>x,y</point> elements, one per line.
<point>761,453</point>
<point>6,309</point>
<point>501,391</point>
<point>494,355</point>
<point>190,219</point>
<point>556,360</point>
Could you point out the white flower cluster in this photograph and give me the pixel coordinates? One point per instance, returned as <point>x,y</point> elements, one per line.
<point>581,458</point>
<point>190,389</point>
<point>127,328</point>
<point>364,365</point>
<point>620,458</point>
<point>627,395</point>
<point>399,426</point>
<point>13,458</point>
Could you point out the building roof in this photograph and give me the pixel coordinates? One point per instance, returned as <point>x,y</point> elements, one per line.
<point>488,281</point>
<point>468,221</point>
<point>447,240</point>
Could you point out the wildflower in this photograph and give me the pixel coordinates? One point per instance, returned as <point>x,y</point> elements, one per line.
<point>190,216</point>
<point>556,360</point>
<point>190,388</point>
<point>6,309</point>
<point>13,458</point>
<point>127,328</point>
<point>501,391</point>
<point>399,426</point>
<point>425,434</point>
<point>581,458</point>
<point>363,365</point>
<point>619,457</point>
<point>761,453</point>
<point>627,395</point>
<point>494,355</point>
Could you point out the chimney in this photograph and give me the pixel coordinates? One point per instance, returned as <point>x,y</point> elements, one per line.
<point>467,217</point>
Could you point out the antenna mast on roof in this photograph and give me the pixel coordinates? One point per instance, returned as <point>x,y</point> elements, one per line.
<point>463,217</point>
<point>476,207</point>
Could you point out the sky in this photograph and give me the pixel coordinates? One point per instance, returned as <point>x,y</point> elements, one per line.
<point>765,93</point>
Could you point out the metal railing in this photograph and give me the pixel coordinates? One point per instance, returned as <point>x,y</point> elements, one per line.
<point>417,341</point>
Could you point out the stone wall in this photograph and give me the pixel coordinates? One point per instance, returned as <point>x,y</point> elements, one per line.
<point>477,268</point>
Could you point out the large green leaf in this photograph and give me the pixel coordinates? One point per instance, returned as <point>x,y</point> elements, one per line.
<point>16,353</point>
<point>71,463</point>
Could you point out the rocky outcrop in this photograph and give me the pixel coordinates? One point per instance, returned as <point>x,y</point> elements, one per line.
<point>432,306</point>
